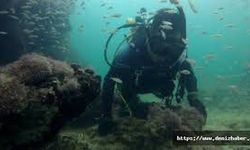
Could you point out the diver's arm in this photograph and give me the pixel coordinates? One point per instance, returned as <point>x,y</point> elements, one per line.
<point>106,123</point>
<point>118,69</point>
<point>190,78</point>
<point>191,87</point>
<point>107,93</point>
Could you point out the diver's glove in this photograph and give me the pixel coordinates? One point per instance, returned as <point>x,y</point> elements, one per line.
<point>196,103</point>
<point>106,125</point>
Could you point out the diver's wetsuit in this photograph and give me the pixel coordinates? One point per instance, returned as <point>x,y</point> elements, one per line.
<point>140,74</point>
<point>151,77</point>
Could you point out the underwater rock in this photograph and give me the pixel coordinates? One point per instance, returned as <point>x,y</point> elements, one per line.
<point>12,97</point>
<point>191,118</point>
<point>132,133</point>
<point>38,94</point>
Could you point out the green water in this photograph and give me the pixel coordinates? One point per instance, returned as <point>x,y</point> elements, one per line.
<point>223,80</point>
<point>230,52</point>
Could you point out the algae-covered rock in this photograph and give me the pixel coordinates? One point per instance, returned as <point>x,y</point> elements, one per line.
<point>12,95</point>
<point>132,133</point>
<point>37,95</point>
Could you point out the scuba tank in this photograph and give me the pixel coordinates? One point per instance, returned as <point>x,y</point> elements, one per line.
<point>138,33</point>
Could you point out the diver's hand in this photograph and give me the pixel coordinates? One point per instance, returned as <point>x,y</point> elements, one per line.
<point>196,103</point>
<point>176,2</point>
<point>106,126</point>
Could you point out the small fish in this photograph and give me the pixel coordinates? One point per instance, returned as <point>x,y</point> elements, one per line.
<point>116,15</point>
<point>230,25</point>
<point>110,7</point>
<point>163,35</point>
<point>199,68</point>
<point>3,33</point>
<point>31,23</point>
<point>220,8</point>
<point>82,3</point>
<point>185,41</point>
<point>103,4</point>
<point>117,80</point>
<point>191,61</point>
<point>174,1</point>
<point>229,47</point>
<point>221,18</point>
<point>167,23</point>
<point>209,57</point>
<point>232,87</point>
<point>56,41</point>
<point>31,43</point>
<point>215,12</point>
<point>248,66</point>
<point>220,77</point>
<point>14,17</point>
<point>107,23</point>
<point>171,11</point>
<point>163,1</point>
<point>81,28</point>
<point>26,7</point>
<point>104,17</point>
<point>192,6</point>
<point>204,32</point>
<point>27,31</point>
<point>13,11</point>
<point>4,12</point>
<point>166,27</point>
<point>185,72</point>
<point>217,35</point>
<point>207,98</point>
<point>33,36</point>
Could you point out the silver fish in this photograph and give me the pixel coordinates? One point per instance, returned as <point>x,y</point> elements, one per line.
<point>3,33</point>
<point>13,10</point>
<point>163,1</point>
<point>217,35</point>
<point>167,23</point>
<point>185,72</point>
<point>163,34</point>
<point>31,43</point>
<point>166,27</point>
<point>14,17</point>
<point>230,25</point>
<point>117,80</point>
<point>171,11</point>
<point>116,15</point>
<point>192,6</point>
<point>184,41</point>
<point>4,12</point>
<point>33,36</point>
<point>27,31</point>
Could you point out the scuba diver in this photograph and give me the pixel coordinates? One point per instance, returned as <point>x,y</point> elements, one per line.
<point>150,62</point>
